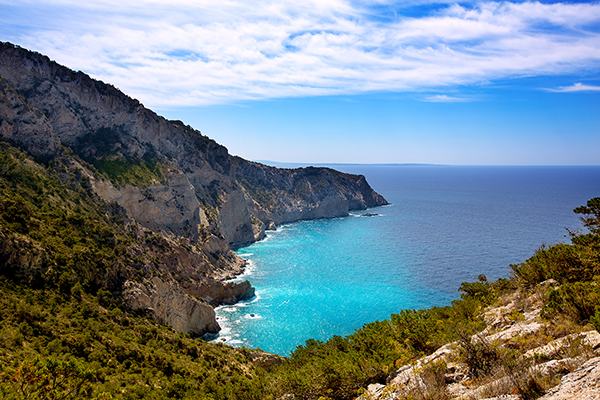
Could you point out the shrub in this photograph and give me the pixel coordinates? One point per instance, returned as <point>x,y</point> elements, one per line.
<point>579,301</point>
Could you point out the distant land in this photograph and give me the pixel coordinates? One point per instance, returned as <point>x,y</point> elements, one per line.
<point>280,164</point>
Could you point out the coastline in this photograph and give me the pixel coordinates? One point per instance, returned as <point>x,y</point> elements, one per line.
<point>428,258</point>
<point>230,316</point>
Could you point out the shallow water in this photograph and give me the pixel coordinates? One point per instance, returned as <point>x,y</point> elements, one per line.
<point>446,225</point>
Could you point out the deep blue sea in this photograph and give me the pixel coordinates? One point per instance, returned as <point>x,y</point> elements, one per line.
<point>445,225</point>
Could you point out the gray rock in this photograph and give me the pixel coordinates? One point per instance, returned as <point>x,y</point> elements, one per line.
<point>581,384</point>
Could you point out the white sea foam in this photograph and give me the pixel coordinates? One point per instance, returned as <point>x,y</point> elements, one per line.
<point>248,271</point>
<point>225,329</point>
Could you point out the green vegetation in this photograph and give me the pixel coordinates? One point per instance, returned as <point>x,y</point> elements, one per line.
<point>70,236</point>
<point>99,351</point>
<point>134,172</point>
<point>64,331</point>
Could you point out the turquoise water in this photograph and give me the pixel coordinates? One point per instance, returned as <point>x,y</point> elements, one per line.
<point>446,225</point>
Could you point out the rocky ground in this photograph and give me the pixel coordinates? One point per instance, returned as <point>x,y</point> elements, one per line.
<point>517,356</point>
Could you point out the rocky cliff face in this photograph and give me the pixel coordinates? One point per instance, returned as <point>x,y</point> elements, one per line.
<point>169,178</point>
<point>169,305</point>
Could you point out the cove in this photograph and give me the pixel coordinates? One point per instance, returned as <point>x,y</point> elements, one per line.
<point>446,225</point>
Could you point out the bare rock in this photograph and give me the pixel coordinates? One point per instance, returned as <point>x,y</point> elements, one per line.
<point>581,384</point>
<point>590,339</point>
<point>23,125</point>
<point>217,293</point>
<point>265,360</point>
<point>408,379</point>
<point>171,305</point>
<point>507,328</point>
<point>236,223</point>
<point>20,253</point>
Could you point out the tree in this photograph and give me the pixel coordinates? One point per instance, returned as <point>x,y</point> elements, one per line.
<point>591,214</point>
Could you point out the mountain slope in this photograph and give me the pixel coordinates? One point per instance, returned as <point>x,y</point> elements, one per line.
<point>109,213</point>
<point>167,179</point>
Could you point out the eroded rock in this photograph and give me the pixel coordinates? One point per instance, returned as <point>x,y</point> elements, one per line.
<point>171,305</point>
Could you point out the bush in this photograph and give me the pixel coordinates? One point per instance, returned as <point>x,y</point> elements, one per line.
<point>579,301</point>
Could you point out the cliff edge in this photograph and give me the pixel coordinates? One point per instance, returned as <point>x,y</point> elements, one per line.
<point>168,180</point>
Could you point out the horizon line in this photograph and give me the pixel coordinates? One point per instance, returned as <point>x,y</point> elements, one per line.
<point>308,164</point>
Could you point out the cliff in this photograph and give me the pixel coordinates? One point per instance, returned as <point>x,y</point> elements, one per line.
<point>166,178</point>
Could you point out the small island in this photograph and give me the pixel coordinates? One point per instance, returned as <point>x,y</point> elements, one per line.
<point>369,215</point>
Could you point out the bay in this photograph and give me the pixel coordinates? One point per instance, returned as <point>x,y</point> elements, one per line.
<point>445,225</point>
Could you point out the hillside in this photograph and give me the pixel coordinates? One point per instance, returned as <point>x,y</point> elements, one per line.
<point>161,180</point>
<point>535,334</point>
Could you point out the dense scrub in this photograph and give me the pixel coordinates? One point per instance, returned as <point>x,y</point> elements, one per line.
<point>576,269</point>
<point>72,235</point>
<point>93,349</point>
<point>64,331</point>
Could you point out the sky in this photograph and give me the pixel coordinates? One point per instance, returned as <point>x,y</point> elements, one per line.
<point>342,81</point>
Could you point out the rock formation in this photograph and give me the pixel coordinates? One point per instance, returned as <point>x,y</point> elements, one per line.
<point>581,384</point>
<point>170,305</point>
<point>170,180</point>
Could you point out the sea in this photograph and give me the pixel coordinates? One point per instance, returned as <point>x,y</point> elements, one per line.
<point>444,225</point>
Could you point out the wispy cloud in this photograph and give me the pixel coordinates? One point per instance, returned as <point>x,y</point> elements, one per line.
<point>442,98</point>
<point>188,52</point>
<point>577,87</point>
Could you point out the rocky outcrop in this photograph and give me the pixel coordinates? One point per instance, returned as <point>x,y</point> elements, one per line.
<point>287,195</point>
<point>216,293</point>
<point>573,356</point>
<point>20,253</point>
<point>581,384</point>
<point>24,125</point>
<point>264,360</point>
<point>179,185</point>
<point>170,305</point>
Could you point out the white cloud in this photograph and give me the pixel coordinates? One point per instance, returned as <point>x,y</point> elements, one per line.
<point>577,87</point>
<point>188,52</point>
<point>442,98</point>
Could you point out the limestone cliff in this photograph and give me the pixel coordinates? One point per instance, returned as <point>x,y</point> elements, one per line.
<point>170,305</point>
<point>170,180</point>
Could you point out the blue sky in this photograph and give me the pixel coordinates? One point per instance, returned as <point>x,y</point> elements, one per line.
<point>341,81</point>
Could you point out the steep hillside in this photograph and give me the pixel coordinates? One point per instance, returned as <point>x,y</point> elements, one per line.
<point>533,335</point>
<point>165,177</point>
